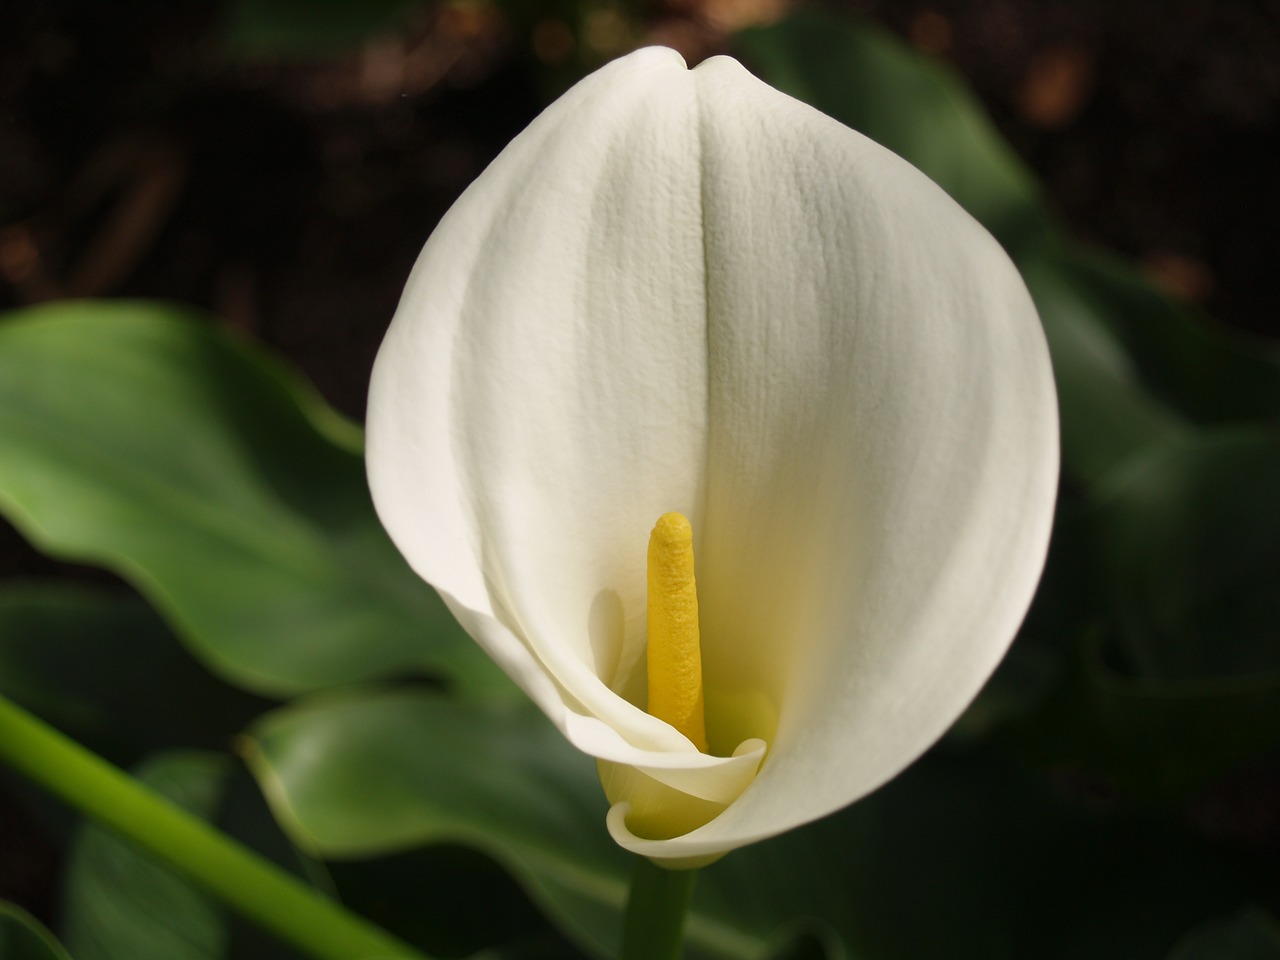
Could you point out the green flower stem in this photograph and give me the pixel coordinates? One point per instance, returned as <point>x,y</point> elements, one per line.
<point>240,878</point>
<point>653,928</point>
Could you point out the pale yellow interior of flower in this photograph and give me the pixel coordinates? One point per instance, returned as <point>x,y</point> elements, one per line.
<point>676,693</point>
<point>674,652</point>
<point>657,812</point>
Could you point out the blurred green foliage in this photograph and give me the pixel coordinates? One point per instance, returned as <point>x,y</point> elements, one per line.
<point>309,28</point>
<point>1251,935</point>
<point>105,669</point>
<point>965,855</point>
<point>194,466</point>
<point>23,937</point>
<point>1057,822</point>
<point>121,903</point>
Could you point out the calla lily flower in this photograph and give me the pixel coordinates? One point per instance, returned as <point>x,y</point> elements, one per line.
<point>681,291</point>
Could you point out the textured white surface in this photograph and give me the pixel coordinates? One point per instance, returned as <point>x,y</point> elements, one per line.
<point>683,290</point>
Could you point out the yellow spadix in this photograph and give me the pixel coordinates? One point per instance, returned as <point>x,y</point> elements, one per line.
<point>674,652</point>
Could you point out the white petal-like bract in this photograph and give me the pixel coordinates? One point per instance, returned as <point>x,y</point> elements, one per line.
<point>681,290</point>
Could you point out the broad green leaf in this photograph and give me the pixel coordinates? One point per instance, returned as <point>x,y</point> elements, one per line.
<point>999,865</point>
<point>923,112</point>
<point>453,900</point>
<point>305,28</point>
<point>120,903</point>
<point>1132,365</point>
<point>245,816</point>
<point>365,773</point>
<point>134,437</point>
<point>1209,373</point>
<point>1159,740</point>
<point>1063,610</point>
<point>1250,935</point>
<point>1189,543</point>
<point>916,107</point>
<point>104,668</point>
<point>1107,415</point>
<point>1159,605</point>
<point>23,937</point>
<point>812,940</point>
<point>361,774</point>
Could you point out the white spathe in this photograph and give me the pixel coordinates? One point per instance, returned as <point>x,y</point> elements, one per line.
<point>683,290</point>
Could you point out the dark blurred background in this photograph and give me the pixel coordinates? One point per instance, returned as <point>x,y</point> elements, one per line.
<point>280,163</point>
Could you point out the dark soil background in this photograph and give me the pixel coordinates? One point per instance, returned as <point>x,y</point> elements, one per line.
<point>289,196</point>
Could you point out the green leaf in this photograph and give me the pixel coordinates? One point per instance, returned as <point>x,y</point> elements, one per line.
<point>309,28</point>
<point>1134,368</point>
<point>104,668</point>
<point>1158,740</point>
<point>916,107</point>
<point>1209,373</point>
<point>23,937</point>
<point>1189,543</point>
<point>1000,866</point>
<point>922,111</point>
<point>119,902</point>
<point>812,940</point>
<point>1172,674</point>
<point>134,437</point>
<point>1107,415</point>
<point>486,909</point>
<point>366,773</point>
<point>1250,935</point>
